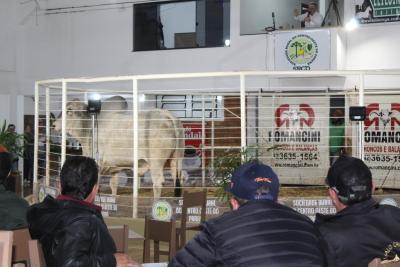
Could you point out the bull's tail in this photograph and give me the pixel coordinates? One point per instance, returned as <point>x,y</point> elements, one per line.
<point>178,154</point>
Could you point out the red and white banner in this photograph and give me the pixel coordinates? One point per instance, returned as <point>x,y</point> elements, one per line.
<point>193,151</point>
<point>382,139</point>
<point>299,127</point>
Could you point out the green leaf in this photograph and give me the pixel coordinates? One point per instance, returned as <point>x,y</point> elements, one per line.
<point>13,142</point>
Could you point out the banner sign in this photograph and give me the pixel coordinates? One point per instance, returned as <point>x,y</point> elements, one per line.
<point>376,11</point>
<point>192,161</point>
<point>310,206</point>
<point>382,139</point>
<point>298,127</point>
<point>303,50</point>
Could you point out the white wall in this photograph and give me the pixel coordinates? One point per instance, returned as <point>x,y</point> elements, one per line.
<point>8,33</point>
<point>374,47</point>
<point>4,109</point>
<point>99,43</point>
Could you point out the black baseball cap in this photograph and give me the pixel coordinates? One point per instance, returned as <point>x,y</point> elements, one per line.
<point>351,179</point>
<point>250,177</point>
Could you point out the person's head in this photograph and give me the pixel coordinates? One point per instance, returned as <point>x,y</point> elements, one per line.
<point>5,166</point>
<point>312,7</point>
<point>253,181</point>
<point>349,181</point>
<point>11,128</point>
<point>337,116</point>
<point>28,128</point>
<point>79,178</point>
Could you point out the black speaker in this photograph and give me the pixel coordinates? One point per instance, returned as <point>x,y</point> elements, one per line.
<point>357,113</point>
<point>94,106</point>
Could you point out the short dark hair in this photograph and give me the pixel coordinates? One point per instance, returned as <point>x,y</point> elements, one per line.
<point>78,176</point>
<point>5,166</point>
<point>351,179</point>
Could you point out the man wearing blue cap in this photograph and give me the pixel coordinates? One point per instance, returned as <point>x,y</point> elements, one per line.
<point>258,232</point>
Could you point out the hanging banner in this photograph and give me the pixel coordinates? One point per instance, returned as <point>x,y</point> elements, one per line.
<point>192,162</point>
<point>298,130</point>
<point>382,139</point>
<point>303,50</point>
<point>377,11</point>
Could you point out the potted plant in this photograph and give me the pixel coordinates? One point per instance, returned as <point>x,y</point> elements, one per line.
<point>231,159</point>
<point>12,142</point>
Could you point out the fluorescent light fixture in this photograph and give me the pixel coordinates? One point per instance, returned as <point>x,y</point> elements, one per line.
<point>142,98</point>
<point>352,25</point>
<point>227,42</point>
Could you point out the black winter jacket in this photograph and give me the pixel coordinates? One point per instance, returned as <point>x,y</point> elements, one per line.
<point>260,233</point>
<point>359,233</point>
<point>72,233</point>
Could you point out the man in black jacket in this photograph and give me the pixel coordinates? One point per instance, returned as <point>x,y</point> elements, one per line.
<point>71,228</point>
<point>362,229</point>
<point>258,232</point>
<point>12,207</point>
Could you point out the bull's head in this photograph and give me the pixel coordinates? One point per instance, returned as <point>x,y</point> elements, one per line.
<point>386,116</point>
<point>291,117</point>
<point>76,115</point>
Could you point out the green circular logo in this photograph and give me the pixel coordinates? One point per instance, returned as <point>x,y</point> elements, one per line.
<point>161,210</point>
<point>301,50</point>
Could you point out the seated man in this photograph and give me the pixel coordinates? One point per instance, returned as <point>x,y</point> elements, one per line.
<point>12,207</point>
<point>71,228</point>
<point>312,18</point>
<point>258,232</point>
<point>362,229</point>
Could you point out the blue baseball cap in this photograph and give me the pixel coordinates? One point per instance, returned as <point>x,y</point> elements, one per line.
<point>250,177</point>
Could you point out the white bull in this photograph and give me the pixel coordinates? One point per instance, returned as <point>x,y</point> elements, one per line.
<point>161,138</point>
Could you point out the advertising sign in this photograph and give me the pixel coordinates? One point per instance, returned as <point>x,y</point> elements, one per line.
<point>306,50</point>
<point>193,152</point>
<point>382,139</point>
<point>376,11</point>
<point>299,130</point>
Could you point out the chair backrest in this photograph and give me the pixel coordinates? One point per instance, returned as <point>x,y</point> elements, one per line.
<point>191,199</point>
<point>36,256</point>
<point>194,199</point>
<point>6,239</point>
<point>20,245</point>
<point>157,231</point>
<point>120,235</point>
<point>378,263</point>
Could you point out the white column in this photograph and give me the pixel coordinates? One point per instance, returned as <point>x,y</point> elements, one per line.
<point>135,103</point>
<point>64,123</point>
<point>36,144</point>
<point>243,112</point>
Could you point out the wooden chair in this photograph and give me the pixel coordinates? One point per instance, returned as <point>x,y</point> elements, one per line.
<point>36,256</point>
<point>159,231</point>
<point>120,234</point>
<point>378,263</point>
<point>190,200</point>
<point>6,239</point>
<point>20,249</point>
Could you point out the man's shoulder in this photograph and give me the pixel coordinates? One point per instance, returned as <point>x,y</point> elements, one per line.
<point>10,199</point>
<point>256,210</point>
